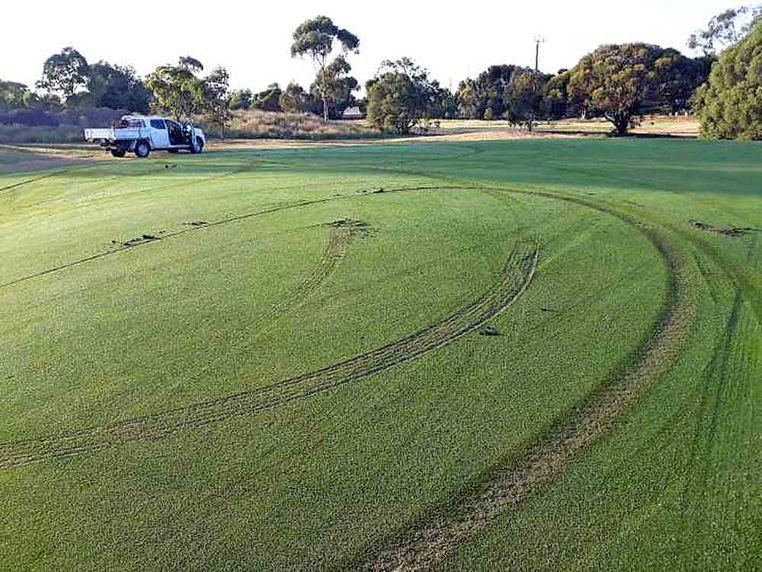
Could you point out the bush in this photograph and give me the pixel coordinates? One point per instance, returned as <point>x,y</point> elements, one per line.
<point>729,104</point>
<point>255,124</point>
<point>32,118</point>
<point>23,134</point>
<point>41,126</point>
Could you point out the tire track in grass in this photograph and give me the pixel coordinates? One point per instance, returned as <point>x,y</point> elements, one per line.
<point>342,233</point>
<point>158,238</point>
<point>197,227</point>
<point>242,169</point>
<point>516,276</point>
<point>30,181</point>
<point>94,163</point>
<point>508,486</point>
<point>714,381</point>
<point>47,175</point>
<point>714,387</point>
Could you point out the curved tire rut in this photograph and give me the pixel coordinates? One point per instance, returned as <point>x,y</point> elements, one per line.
<point>516,276</point>
<point>195,228</point>
<point>428,542</point>
<point>336,250</point>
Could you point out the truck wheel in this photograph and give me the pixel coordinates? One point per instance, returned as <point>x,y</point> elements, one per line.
<point>118,152</point>
<point>142,149</point>
<point>197,146</point>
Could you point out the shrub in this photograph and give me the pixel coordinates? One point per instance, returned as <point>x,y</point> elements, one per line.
<point>729,104</point>
<point>255,124</point>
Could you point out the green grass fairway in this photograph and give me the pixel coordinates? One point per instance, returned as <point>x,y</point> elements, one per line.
<point>285,358</point>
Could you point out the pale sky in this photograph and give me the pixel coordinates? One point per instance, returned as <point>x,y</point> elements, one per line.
<point>252,40</point>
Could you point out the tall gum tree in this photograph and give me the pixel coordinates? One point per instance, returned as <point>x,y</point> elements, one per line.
<point>316,39</point>
<point>177,89</point>
<point>64,73</point>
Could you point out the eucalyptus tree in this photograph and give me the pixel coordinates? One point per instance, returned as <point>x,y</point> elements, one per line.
<point>64,73</point>
<point>318,39</point>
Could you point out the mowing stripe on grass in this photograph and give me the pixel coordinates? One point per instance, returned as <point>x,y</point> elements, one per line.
<point>516,276</point>
<point>509,486</point>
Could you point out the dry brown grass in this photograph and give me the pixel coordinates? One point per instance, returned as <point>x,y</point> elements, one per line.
<point>254,124</point>
<point>653,125</point>
<point>449,130</point>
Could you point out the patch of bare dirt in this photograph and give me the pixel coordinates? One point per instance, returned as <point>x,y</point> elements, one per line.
<point>726,230</point>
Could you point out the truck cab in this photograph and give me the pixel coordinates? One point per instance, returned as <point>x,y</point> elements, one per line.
<point>142,134</point>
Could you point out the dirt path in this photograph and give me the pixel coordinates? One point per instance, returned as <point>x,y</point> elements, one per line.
<point>515,278</point>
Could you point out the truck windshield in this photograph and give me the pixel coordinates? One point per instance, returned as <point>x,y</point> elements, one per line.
<point>132,123</point>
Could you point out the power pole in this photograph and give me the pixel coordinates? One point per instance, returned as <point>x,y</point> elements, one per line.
<point>537,41</point>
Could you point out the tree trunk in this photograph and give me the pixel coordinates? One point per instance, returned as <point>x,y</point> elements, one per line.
<point>325,106</point>
<point>620,121</point>
<point>622,124</point>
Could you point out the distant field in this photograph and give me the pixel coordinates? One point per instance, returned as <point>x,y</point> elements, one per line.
<point>259,125</point>
<point>657,125</point>
<point>306,127</point>
<point>533,354</point>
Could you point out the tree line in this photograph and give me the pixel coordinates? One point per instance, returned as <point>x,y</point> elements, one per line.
<point>619,83</point>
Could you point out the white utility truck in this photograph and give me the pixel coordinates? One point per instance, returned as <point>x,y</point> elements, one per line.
<point>142,134</point>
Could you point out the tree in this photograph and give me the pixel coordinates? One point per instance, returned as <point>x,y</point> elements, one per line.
<point>217,97</point>
<point>468,100</point>
<point>400,97</point>
<point>678,78</point>
<point>619,82</point>
<point>115,87</point>
<point>524,97</point>
<point>556,104</point>
<point>486,92</point>
<point>726,29</point>
<point>315,38</point>
<point>295,100</point>
<point>444,104</point>
<point>64,73</point>
<point>13,95</point>
<point>240,99</point>
<point>177,90</point>
<point>190,64</point>
<point>269,99</point>
<point>729,104</point>
<point>339,86</point>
